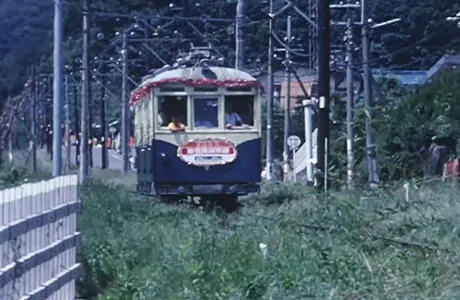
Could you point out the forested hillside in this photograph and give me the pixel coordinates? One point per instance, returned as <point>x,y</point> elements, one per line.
<point>26,31</point>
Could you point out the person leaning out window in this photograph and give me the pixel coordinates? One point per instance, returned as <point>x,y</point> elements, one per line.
<point>176,125</point>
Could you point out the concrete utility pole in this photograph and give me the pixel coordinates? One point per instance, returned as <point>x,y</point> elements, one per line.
<point>48,131</point>
<point>67,125</point>
<point>371,146</point>
<point>370,137</point>
<point>350,87</point>
<point>271,79</point>
<point>103,123</point>
<point>125,120</point>
<point>57,89</point>
<point>33,117</point>
<point>76,125</point>
<point>240,21</point>
<point>350,101</point>
<point>84,169</point>
<point>90,120</point>
<point>324,20</point>
<point>308,114</point>
<point>287,108</point>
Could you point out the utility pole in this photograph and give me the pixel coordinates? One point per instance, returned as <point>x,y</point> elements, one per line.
<point>308,112</point>
<point>270,99</point>
<point>125,120</point>
<point>350,100</point>
<point>84,98</point>
<point>57,89</point>
<point>33,117</point>
<point>240,21</point>
<point>41,111</point>
<point>48,124</point>
<point>370,137</point>
<point>48,116</point>
<point>103,122</point>
<point>350,87</point>
<point>76,117</point>
<point>10,149</point>
<point>371,146</point>
<point>324,19</point>
<point>287,110</point>
<point>67,125</point>
<point>90,120</point>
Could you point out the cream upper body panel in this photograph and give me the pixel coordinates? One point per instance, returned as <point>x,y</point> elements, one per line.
<point>179,138</point>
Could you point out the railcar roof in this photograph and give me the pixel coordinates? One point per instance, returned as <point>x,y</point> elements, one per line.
<point>194,76</point>
<point>198,73</point>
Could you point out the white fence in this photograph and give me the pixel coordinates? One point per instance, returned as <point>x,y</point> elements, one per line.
<point>38,240</point>
<point>300,159</point>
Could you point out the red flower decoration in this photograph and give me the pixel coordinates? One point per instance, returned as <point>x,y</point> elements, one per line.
<point>145,90</point>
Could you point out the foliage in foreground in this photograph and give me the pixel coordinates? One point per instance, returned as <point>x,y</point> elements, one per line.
<point>11,177</point>
<point>360,246</point>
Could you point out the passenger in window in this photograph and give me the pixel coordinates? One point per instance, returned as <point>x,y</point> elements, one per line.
<point>176,125</point>
<point>206,113</point>
<point>232,118</point>
<point>162,115</point>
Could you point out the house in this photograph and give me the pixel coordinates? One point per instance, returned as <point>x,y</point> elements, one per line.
<point>307,77</point>
<point>309,80</point>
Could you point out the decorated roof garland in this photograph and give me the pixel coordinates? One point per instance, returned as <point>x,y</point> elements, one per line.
<point>146,89</point>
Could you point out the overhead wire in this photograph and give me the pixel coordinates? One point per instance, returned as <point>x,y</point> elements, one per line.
<point>440,51</point>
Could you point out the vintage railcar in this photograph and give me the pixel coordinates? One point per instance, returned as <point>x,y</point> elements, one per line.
<point>198,131</point>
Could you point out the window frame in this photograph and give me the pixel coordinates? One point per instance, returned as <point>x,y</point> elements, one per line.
<point>156,97</point>
<point>220,120</point>
<point>220,94</point>
<point>255,115</point>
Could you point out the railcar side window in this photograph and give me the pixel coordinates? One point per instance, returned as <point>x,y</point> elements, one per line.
<point>172,106</point>
<point>206,112</point>
<point>239,111</point>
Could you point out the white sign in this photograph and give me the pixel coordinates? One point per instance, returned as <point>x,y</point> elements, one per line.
<point>293,142</point>
<point>207,152</point>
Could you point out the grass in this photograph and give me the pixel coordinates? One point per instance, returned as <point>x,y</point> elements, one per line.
<point>362,245</point>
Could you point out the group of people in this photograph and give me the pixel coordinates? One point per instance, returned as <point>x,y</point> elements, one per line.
<point>111,143</point>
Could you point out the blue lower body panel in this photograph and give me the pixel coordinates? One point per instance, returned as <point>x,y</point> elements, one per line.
<point>172,176</point>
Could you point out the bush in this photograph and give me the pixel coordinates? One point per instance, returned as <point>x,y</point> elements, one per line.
<point>360,245</point>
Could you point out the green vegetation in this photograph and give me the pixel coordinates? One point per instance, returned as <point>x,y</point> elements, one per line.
<point>19,172</point>
<point>365,245</point>
<point>416,42</point>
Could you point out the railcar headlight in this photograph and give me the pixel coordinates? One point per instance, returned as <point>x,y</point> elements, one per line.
<point>232,189</point>
<point>181,190</point>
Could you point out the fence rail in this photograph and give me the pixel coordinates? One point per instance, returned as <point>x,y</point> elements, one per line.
<point>301,160</point>
<point>38,240</point>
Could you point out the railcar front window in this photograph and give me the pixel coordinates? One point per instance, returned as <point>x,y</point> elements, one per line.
<point>206,112</point>
<point>172,106</point>
<point>239,111</point>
